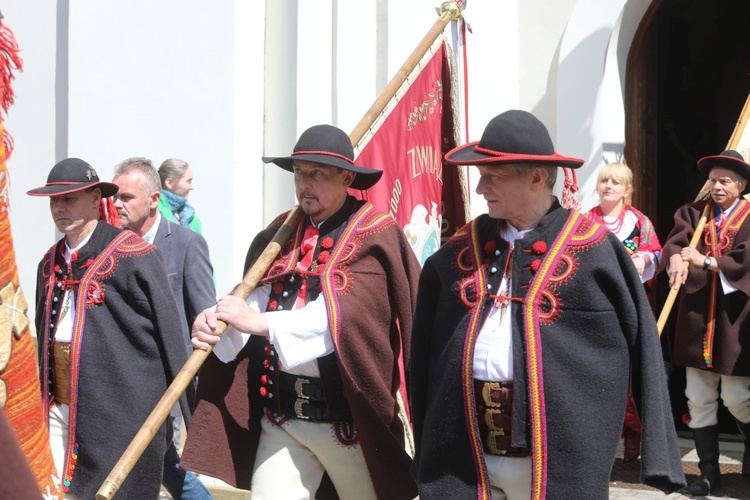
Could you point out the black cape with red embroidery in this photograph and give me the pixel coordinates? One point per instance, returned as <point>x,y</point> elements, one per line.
<point>128,347</point>
<point>380,273</point>
<point>583,322</point>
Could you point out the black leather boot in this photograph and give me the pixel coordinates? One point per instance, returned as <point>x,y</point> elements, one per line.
<point>707,446</point>
<point>745,431</point>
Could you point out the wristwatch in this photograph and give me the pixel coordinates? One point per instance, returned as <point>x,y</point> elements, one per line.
<point>706,263</point>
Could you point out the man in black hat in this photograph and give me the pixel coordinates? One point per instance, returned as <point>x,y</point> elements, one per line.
<point>109,333</point>
<point>710,339</point>
<point>528,323</point>
<point>315,386</point>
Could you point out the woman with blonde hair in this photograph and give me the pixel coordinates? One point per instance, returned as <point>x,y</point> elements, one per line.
<point>615,188</point>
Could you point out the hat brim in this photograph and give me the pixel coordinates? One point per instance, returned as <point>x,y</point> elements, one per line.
<point>366,177</point>
<point>706,164</point>
<point>467,155</point>
<point>108,189</point>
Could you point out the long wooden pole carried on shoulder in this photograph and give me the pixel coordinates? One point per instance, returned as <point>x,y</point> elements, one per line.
<point>704,193</point>
<point>448,11</point>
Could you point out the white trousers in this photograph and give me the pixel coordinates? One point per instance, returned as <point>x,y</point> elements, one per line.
<point>293,456</point>
<point>59,416</point>
<point>702,391</point>
<point>510,477</point>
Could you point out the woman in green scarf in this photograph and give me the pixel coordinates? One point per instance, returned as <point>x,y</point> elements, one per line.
<point>176,183</point>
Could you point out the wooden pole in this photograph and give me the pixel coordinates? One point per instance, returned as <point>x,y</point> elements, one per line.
<point>448,11</point>
<point>704,192</point>
<point>155,420</point>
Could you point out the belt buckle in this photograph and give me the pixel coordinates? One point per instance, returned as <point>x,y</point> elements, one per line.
<point>487,393</point>
<point>299,388</point>
<point>298,408</point>
<point>492,443</point>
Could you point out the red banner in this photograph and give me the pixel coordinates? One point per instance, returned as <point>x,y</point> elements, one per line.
<point>424,195</point>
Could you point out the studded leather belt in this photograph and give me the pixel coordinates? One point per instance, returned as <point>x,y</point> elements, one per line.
<point>494,409</point>
<point>61,364</point>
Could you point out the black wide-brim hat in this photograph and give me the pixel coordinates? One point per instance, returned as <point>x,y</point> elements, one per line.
<point>71,175</point>
<point>730,159</point>
<point>328,145</point>
<point>514,136</point>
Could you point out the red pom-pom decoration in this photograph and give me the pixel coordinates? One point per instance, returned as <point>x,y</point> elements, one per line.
<point>539,247</point>
<point>490,246</point>
<point>535,265</point>
<point>323,257</point>
<point>326,243</point>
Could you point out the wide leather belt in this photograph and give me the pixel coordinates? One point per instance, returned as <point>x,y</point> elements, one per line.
<point>494,409</point>
<point>61,366</point>
<point>304,398</point>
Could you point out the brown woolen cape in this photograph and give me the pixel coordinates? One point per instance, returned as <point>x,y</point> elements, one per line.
<point>730,356</point>
<point>370,317</point>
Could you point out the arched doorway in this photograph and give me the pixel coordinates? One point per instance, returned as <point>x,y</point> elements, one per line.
<point>687,81</point>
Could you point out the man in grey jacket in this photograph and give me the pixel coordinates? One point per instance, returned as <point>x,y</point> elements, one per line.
<point>190,274</point>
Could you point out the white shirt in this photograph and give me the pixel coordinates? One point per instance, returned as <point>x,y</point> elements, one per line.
<point>493,351</point>
<point>67,310</point>
<point>300,336</point>
<point>150,236</point>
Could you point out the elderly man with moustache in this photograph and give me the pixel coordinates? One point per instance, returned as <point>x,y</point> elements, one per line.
<point>711,335</point>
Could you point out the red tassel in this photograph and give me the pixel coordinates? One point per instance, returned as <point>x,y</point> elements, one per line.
<point>108,212</point>
<point>570,190</point>
<point>9,61</point>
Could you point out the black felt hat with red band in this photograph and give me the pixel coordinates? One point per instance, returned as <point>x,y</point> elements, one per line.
<point>71,175</point>
<point>730,159</point>
<point>514,136</point>
<point>328,145</point>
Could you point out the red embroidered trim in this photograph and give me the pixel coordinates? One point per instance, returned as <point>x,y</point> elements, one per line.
<point>520,156</point>
<point>324,153</point>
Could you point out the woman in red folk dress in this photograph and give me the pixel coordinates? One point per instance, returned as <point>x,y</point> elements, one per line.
<point>615,188</point>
